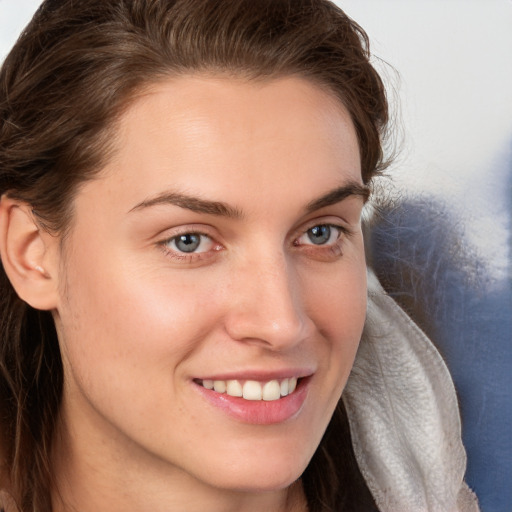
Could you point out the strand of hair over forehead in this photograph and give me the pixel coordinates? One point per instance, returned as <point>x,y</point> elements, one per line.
<point>235,30</point>
<point>223,33</point>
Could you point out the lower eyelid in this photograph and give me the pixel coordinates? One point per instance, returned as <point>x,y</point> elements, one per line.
<point>189,257</point>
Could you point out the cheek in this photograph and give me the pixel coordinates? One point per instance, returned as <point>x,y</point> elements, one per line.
<point>338,300</point>
<point>130,327</point>
<point>338,308</point>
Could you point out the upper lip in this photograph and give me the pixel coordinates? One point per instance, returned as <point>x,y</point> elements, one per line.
<point>260,375</point>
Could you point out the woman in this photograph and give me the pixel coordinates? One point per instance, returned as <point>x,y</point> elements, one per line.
<point>185,285</point>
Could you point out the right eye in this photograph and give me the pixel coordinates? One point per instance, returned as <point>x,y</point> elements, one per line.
<point>187,243</point>
<point>321,235</point>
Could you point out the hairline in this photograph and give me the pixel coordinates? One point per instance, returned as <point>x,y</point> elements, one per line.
<point>146,87</point>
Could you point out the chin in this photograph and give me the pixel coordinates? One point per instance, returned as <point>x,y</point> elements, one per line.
<point>260,472</point>
<point>272,479</point>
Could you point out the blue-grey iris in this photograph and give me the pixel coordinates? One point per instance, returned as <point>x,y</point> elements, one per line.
<point>319,234</point>
<point>188,242</point>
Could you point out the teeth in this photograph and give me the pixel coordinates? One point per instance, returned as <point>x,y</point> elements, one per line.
<point>252,389</point>
<point>219,386</point>
<point>271,391</point>
<point>234,388</point>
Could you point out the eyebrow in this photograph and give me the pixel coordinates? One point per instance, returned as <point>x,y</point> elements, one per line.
<point>339,194</point>
<point>221,209</point>
<point>194,204</point>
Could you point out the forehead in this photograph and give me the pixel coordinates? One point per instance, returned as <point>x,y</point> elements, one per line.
<point>225,134</point>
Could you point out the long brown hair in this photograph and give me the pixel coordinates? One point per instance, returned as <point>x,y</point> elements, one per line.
<point>70,76</point>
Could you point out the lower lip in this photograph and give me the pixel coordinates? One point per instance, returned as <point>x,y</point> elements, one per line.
<point>259,412</point>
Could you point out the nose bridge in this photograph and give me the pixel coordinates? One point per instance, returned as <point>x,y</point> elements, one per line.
<point>267,304</point>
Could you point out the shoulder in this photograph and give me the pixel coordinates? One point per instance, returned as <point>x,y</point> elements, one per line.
<point>7,504</point>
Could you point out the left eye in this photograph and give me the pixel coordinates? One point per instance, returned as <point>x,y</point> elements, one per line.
<point>190,243</point>
<point>323,234</point>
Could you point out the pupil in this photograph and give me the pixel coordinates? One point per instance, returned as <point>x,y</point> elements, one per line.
<point>319,234</point>
<point>188,243</point>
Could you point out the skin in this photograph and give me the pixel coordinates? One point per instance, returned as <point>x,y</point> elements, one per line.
<point>138,320</point>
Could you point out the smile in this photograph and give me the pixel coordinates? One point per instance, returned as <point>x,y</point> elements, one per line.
<point>251,389</point>
<point>257,399</point>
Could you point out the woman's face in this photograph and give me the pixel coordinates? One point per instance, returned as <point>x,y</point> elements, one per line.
<point>220,246</point>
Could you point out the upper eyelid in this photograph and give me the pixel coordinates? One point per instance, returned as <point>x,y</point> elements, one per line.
<point>173,232</point>
<point>344,227</point>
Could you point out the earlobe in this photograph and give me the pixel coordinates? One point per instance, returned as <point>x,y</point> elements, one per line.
<point>27,254</point>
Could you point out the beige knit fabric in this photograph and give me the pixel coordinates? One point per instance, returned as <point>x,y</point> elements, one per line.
<point>404,415</point>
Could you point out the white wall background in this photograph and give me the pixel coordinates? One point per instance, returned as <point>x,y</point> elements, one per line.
<point>454,58</point>
<point>14,15</point>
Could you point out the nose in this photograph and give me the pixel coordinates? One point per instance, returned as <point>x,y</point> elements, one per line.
<point>266,304</point>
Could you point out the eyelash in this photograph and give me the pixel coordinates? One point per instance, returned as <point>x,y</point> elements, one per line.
<point>191,256</point>
<point>333,249</point>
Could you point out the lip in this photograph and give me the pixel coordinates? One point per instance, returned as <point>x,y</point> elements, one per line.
<point>258,412</point>
<point>261,375</point>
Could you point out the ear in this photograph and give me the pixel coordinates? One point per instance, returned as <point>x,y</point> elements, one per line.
<point>29,254</point>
